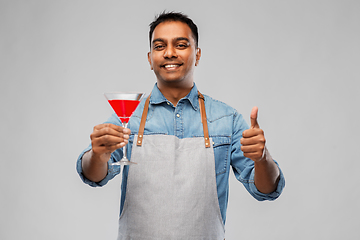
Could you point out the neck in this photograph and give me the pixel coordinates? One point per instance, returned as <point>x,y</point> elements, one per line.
<point>174,93</point>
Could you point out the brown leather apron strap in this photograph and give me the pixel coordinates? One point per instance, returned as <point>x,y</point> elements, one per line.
<point>203,120</point>
<point>143,120</point>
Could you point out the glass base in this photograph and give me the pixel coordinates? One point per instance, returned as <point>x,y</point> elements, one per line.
<point>123,162</point>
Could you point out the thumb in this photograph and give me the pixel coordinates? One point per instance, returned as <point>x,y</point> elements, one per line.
<point>253,118</point>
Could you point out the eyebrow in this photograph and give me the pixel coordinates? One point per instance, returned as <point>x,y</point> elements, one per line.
<point>176,39</point>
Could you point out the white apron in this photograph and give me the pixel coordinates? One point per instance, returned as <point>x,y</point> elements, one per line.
<point>171,191</point>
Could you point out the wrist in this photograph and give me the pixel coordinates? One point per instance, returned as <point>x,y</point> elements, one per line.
<point>99,157</point>
<point>266,157</point>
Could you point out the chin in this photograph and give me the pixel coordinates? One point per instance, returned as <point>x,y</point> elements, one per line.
<point>174,81</point>
<point>171,79</point>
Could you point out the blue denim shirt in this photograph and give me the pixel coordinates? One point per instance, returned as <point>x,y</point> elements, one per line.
<point>184,121</point>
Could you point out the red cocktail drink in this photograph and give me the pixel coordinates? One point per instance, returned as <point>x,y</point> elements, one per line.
<point>124,105</point>
<point>124,108</point>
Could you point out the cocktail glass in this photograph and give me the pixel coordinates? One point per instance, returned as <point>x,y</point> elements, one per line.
<point>124,104</point>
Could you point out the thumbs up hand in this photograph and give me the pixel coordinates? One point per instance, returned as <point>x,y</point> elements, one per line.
<point>253,140</point>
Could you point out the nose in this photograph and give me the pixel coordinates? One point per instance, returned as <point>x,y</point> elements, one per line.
<point>170,52</point>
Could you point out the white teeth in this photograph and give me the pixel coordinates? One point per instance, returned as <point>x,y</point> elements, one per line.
<point>170,66</point>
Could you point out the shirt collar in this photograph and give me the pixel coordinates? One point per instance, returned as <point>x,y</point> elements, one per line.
<point>157,97</point>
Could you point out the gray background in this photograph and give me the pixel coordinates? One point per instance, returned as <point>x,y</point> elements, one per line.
<point>298,61</point>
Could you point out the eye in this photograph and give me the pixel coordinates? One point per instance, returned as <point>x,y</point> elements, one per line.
<point>159,47</point>
<point>182,45</point>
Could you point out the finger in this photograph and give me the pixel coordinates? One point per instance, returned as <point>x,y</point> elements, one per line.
<point>106,149</point>
<point>253,149</point>
<point>96,135</point>
<point>124,143</point>
<point>253,118</point>
<point>108,125</point>
<point>106,140</point>
<point>117,128</point>
<point>126,131</point>
<point>111,148</point>
<point>116,145</point>
<point>110,131</point>
<point>252,132</point>
<point>253,141</point>
<point>120,129</point>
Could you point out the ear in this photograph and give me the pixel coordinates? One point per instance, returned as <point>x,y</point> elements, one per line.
<point>149,60</point>
<point>198,55</point>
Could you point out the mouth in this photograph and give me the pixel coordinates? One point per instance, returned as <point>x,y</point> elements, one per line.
<point>172,66</point>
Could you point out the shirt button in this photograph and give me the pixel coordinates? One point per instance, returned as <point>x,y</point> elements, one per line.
<point>178,115</point>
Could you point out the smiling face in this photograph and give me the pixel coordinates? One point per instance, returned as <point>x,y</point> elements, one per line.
<point>173,54</point>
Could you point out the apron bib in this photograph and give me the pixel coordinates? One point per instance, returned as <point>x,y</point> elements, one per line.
<point>171,191</point>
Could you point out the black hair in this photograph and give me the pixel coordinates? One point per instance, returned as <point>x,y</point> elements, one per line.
<point>174,16</point>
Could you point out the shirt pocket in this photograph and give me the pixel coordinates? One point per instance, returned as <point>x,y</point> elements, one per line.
<point>221,146</point>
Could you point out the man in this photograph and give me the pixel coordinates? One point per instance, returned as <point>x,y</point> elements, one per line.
<point>184,144</point>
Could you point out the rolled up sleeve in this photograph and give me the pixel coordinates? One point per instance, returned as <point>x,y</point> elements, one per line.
<point>270,196</point>
<point>112,170</point>
<point>244,167</point>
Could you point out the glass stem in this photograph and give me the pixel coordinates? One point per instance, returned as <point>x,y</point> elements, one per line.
<point>124,158</point>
